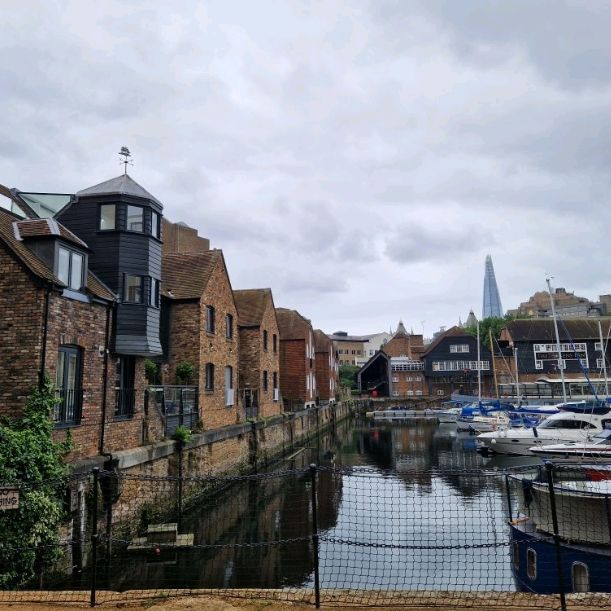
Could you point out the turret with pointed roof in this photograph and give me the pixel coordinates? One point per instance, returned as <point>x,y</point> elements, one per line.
<point>121,223</point>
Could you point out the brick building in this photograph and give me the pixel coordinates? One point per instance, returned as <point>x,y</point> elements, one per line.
<point>100,246</point>
<point>259,378</point>
<point>297,360</point>
<point>326,367</point>
<point>406,369</point>
<point>199,321</point>
<point>56,320</point>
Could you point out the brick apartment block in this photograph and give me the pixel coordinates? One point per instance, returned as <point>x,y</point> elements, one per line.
<point>326,367</point>
<point>259,379</point>
<point>297,360</point>
<point>200,319</point>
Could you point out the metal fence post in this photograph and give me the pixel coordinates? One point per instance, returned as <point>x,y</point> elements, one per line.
<point>508,493</point>
<point>94,535</point>
<point>180,478</point>
<point>552,496</point>
<point>315,536</point>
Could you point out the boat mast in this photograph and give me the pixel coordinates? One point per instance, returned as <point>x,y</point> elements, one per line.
<point>496,386</point>
<point>515,360</point>
<point>560,361</point>
<point>479,369</point>
<point>603,350</point>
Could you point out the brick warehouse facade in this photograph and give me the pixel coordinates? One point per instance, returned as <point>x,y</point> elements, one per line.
<point>297,360</point>
<point>259,379</point>
<point>200,315</point>
<point>326,367</point>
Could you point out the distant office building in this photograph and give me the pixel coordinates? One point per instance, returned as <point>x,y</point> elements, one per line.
<point>492,299</point>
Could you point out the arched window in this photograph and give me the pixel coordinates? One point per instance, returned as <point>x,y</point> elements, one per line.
<point>581,577</point>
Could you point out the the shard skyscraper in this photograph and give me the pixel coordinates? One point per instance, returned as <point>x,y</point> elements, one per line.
<point>492,299</point>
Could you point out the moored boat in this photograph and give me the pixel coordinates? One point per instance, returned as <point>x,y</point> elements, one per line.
<point>598,450</point>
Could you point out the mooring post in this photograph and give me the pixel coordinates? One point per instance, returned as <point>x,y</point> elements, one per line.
<point>508,493</point>
<point>315,536</point>
<point>94,535</point>
<point>552,497</point>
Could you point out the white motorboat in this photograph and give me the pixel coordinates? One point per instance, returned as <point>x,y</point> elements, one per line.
<point>596,451</point>
<point>563,427</point>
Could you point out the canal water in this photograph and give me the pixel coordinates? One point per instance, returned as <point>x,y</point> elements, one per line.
<point>399,507</point>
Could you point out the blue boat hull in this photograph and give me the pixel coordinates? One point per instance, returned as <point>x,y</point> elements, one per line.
<point>534,564</point>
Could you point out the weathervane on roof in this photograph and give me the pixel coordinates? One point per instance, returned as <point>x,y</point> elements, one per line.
<point>124,152</point>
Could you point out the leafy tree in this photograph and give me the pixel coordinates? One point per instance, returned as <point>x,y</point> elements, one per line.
<point>31,461</point>
<point>347,376</point>
<point>494,324</point>
<point>151,371</point>
<point>185,372</point>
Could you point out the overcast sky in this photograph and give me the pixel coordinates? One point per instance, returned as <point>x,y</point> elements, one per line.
<point>361,158</point>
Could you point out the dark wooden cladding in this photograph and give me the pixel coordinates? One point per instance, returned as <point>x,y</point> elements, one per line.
<point>116,253</point>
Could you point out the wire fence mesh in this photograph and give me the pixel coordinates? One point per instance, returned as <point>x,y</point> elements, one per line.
<point>336,536</point>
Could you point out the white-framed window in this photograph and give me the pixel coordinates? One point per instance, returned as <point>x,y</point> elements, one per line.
<point>440,392</point>
<point>395,393</point>
<point>598,347</point>
<point>395,378</point>
<point>410,393</point>
<point>456,348</point>
<point>460,365</point>
<point>599,363</point>
<point>538,364</point>
<point>418,392</point>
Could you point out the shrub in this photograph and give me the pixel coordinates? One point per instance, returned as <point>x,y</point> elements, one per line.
<point>182,434</point>
<point>151,371</point>
<point>185,372</point>
<point>33,462</point>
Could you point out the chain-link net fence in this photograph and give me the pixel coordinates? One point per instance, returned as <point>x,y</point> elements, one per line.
<point>532,537</point>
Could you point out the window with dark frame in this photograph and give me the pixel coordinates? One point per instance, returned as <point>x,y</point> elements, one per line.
<point>155,224</point>
<point>210,319</point>
<point>209,376</point>
<point>265,340</point>
<point>135,218</point>
<point>265,385</point>
<point>133,292</point>
<point>154,293</point>
<point>68,382</point>
<point>229,326</point>
<point>275,342</point>
<point>275,379</point>
<point>108,217</point>
<point>70,268</point>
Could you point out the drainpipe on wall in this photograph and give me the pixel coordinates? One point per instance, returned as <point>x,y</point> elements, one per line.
<point>43,352</point>
<point>109,308</point>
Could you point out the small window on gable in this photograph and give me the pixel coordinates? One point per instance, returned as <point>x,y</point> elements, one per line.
<point>135,218</point>
<point>70,268</point>
<point>265,340</point>
<point>229,326</point>
<point>108,217</point>
<point>210,319</point>
<point>275,342</point>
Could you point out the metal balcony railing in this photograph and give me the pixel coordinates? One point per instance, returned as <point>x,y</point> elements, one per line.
<point>69,405</point>
<point>125,402</point>
<point>177,404</point>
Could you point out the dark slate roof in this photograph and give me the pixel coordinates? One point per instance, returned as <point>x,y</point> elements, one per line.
<point>291,324</point>
<point>322,343</point>
<point>40,228</point>
<point>186,275</point>
<point>542,329</point>
<point>121,185</point>
<point>251,304</point>
<point>348,338</point>
<point>451,332</point>
<point>35,265</point>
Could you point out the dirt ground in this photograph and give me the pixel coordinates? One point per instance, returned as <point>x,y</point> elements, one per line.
<point>267,600</point>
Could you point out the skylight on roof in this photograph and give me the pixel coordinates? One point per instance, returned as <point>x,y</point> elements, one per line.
<point>46,205</point>
<point>8,204</point>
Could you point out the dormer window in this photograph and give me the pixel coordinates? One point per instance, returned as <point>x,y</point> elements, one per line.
<point>70,268</point>
<point>135,218</point>
<point>108,217</point>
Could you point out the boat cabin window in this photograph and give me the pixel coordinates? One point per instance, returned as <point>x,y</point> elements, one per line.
<point>604,437</point>
<point>531,563</point>
<point>515,555</point>
<point>581,577</point>
<point>566,424</point>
